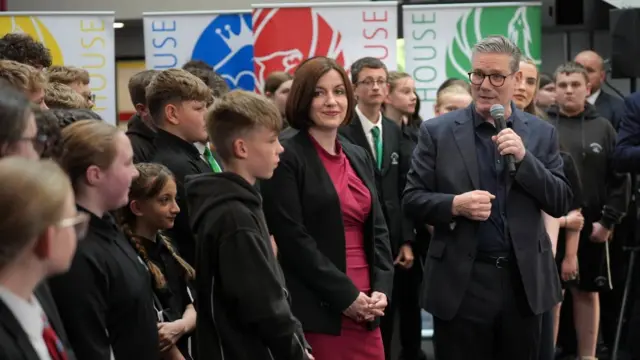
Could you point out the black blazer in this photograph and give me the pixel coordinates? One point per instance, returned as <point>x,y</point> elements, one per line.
<point>610,107</point>
<point>303,213</point>
<point>390,179</point>
<point>444,165</point>
<point>15,342</point>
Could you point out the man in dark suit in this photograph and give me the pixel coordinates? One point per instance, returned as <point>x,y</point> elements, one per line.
<point>383,140</point>
<point>626,158</point>
<point>609,106</point>
<point>490,272</point>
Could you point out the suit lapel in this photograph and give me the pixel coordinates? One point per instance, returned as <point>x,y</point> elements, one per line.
<point>355,133</point>
<point>520,125</point>
<point>464,133</point>
<point>11,324</point>
<point>388,145</point>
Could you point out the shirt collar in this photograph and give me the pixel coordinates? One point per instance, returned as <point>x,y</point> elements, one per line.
<point>200,147</point>
<point>29,314</point>
<point>167,139</point>
<point>367,125</point>
<point>594,97</point>
<point>479,120</point>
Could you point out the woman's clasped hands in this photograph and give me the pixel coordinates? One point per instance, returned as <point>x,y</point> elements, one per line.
<point>367,308</point>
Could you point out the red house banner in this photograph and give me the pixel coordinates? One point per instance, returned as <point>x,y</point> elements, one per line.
<point>287,34</point>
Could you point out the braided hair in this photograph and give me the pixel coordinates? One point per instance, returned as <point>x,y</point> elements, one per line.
<point>149,184</point>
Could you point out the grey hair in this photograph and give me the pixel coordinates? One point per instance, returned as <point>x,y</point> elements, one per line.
<point>498,44</point>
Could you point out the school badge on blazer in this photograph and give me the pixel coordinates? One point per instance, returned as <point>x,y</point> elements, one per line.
<point>394,158</point>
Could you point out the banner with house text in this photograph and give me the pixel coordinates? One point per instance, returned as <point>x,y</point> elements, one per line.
<point>287,34</point>
<point>82,39</point>
<point>438,39</point>
<point>222,39</point>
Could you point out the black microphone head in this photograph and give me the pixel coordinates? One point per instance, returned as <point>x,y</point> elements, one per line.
<point>497,111</point>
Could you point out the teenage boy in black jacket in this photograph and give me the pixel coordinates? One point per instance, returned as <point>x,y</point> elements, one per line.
<point>243,311</point>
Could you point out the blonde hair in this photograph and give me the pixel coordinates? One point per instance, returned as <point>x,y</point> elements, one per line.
<point>532,108</point>
<point>236,112</point>
<point>85,143</point>
<point>148,185</point>
<point>173,86</point>
<point>61,96</point>
<point>454,89</point>
<point>393,78</point>
<point>23,77</point>
<point>33,195</point>
<point>68,75</point>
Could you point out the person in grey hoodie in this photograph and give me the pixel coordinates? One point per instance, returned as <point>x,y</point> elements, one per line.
<point>590,139</point>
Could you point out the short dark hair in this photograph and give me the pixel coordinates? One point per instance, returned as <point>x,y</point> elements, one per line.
<point>571,67</point>
<point>173,86</point>
<point>237,112</point>
<point>67,117</point>
<point>24,49</point>
<point>304,87</point>
<point>138,84</point>
<point>545,79</point>
<point>198,64</point>
<point>15,108</point>
<point>48,126</point>
<point>274,80</point>
<point>213,80</point>
<point>366,63</point>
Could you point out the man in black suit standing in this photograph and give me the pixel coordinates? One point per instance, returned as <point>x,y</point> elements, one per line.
<point>490,272</point>
<point>607,105</point>
<point>383,140</point>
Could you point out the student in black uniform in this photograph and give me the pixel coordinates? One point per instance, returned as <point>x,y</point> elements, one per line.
<point>140,128</point>
<point>152,209</point>
<point>244,312</point>
<point>38,241</point>
<point>104,300</point>
<point>177,102</point>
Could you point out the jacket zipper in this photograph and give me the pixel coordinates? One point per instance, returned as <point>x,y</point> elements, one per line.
<point>215,326</point>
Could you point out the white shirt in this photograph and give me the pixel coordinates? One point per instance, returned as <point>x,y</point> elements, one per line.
<point>29,316</point>
<point>367,125</point>
<point>593,97</point>
<point>201,147</point>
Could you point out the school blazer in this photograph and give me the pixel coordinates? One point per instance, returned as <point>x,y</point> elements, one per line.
<point>303,213</point>
<point>15,343</point>
<point>390,179</point>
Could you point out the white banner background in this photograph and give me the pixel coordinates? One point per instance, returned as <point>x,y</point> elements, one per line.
<point>438,40</point>
<point>286,34</point>
<point>79,39</point>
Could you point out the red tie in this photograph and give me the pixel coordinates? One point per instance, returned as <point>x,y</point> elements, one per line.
<point>54,345</point>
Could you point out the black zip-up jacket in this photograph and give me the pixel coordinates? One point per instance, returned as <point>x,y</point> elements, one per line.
<point>590,139</point>
<point>141,137</point>
<point>243,305</point>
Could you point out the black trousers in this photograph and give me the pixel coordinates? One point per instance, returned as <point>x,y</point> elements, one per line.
<point>494,321</point>
<point>406,304</point>
<point>547,348</point>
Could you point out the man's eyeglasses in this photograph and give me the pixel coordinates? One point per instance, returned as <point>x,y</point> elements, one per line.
<point>79,222</point>
<point>370,82</point>
<point>91,97</point>
<point>497,80</point>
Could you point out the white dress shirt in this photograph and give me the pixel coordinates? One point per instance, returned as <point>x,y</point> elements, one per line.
<point>29,316</point>
<point>201,147</point>
<point>593,97</point>
<point>367,125</point>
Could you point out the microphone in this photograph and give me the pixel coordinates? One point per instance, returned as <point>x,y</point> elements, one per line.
<point>497,113</point>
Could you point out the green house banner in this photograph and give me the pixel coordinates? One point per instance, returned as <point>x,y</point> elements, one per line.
<point>438,39</point>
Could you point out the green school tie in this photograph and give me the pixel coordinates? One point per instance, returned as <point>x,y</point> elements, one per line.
<point>211,160</point>
<point>377,144</point>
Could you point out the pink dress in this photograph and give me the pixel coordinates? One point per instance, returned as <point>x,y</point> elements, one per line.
<point>355,342</point>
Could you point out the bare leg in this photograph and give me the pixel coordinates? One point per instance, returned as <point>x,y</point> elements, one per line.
<point>586,310</point>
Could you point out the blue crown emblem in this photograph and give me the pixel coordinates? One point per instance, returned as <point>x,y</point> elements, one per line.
<point>227,45</point>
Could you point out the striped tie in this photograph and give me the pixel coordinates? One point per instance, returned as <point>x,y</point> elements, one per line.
<point>54,345</point>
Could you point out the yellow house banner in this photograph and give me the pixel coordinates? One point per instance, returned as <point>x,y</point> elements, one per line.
<point>82,39</point>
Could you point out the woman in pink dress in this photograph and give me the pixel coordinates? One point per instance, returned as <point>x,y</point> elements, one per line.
<point>322,208</point>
